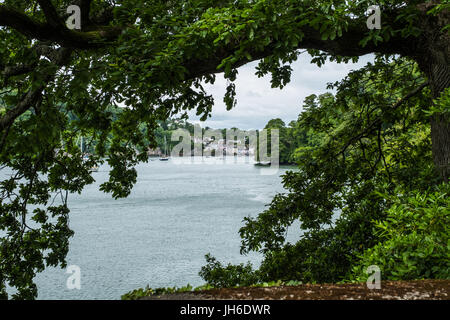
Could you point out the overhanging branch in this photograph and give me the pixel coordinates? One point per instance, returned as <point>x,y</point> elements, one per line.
<point>99,36</point>
<point>30,98</point>
<point>377,122</point>
<point>50,13</point>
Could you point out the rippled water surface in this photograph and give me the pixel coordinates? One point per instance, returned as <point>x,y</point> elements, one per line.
<point>159,234</point>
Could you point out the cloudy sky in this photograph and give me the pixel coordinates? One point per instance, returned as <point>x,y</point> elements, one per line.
<point>257,102</point>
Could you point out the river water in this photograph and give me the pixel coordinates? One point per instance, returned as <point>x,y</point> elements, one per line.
<point>159,235</point>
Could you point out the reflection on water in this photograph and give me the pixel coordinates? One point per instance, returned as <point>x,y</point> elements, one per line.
<point>159,234</point>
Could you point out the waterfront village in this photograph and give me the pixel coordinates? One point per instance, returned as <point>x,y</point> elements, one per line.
<point>213,148</point>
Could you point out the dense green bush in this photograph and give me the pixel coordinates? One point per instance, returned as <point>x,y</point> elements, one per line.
<point>410,240</point>
<point>415,239</point>
<point>322,256</point>
<point>220,276</point>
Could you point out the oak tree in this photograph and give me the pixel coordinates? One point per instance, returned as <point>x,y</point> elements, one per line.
<point>57,84</point>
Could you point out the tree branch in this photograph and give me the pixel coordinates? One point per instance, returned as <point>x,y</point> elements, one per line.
<point>100,36</point>
<point>11,71</point>
<point>348,45</point>
<point>25,103</point>
<point>30,98</point>
<point>85,6</point>
<point>411,94</point>
<point>50,13</point>
<point>377,121</point>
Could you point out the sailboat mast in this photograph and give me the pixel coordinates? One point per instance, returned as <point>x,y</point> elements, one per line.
<point>165,146</point>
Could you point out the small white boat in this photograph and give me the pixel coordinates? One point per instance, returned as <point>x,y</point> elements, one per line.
<point>165,157</point>
<point>262,164</point>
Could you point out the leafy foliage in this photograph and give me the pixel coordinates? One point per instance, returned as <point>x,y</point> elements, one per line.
<point>147,291</point>
<point>363,151</point>
<point>414,239</point>
<point>153,59</point>
<point>219,276</point>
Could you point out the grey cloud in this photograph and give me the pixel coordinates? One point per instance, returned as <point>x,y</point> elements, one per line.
<point>258,102</point>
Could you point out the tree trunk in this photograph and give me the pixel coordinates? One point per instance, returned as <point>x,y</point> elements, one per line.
<point>438,72</point>
<point>440,137</point>
<point>434,59</point>
<point>439,75</point>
